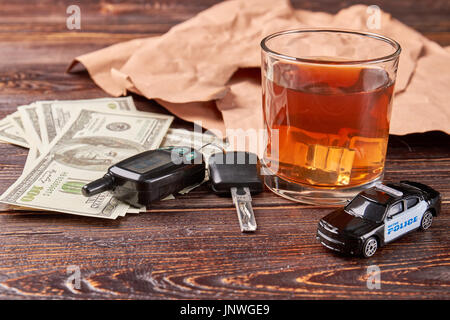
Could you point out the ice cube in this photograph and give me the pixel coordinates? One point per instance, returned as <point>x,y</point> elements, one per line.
<point>329,165</point>
<point>372,78</point>
<point>369,151</point>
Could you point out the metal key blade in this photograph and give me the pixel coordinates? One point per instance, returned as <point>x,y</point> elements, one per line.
<point>243,202</point>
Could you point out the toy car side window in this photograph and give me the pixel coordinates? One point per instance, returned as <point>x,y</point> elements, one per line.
<point>395,209</point>
<point>411,202</point>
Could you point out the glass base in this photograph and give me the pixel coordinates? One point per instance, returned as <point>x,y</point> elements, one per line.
<point>315,195</point>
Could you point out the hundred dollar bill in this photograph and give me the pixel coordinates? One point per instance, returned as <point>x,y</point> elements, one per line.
<point>30,122</point>
<point>91,142</point>
<point>54,115</point>
<point>9,133</point>
<point>16,120</point>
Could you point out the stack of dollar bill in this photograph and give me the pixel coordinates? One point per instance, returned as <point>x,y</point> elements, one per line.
<point>73,142</point>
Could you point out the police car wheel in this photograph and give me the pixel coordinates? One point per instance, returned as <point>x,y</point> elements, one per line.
<point>427,220</point>
<point>370,247</point>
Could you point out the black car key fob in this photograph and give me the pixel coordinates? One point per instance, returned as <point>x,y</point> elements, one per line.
<point>235,169</point>
<point>151,175</point>
<point>238,174</point>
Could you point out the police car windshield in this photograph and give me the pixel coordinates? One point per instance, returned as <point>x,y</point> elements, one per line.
<point>366,208</point>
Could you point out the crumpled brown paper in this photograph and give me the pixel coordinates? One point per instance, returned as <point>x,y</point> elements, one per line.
<point>200,69</point>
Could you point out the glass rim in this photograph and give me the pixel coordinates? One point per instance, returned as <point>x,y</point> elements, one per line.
<point>376,36</point>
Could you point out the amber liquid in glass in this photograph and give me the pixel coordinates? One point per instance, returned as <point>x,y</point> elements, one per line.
<point>332,122</point>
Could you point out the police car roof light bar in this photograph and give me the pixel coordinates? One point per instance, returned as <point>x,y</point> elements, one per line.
<point>388,190</point>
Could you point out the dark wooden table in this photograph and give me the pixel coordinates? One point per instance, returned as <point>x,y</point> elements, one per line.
<point>192,247</point>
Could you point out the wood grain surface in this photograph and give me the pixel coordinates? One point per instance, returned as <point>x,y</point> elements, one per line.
<point>192,248</point>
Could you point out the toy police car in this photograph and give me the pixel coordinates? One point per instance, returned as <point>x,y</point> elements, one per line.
<point>378,216</point>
